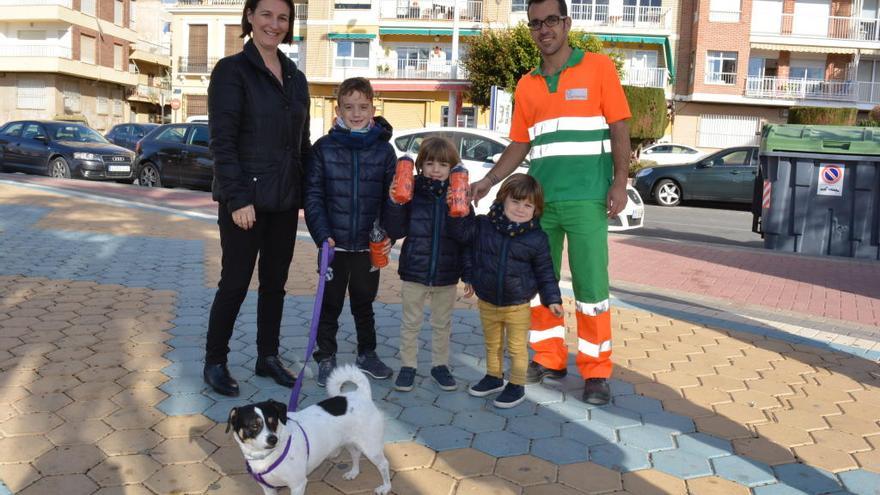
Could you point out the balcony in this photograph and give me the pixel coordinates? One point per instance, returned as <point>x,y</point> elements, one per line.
<point>812,89</point>
<point>720,78</point>
<point>153,48</point>
<point>143,92</point>
<point>34,51</point>
<point>818,27</point>
<point>300,10</point>
<point>196,65</point>
<point>426,10</point>
<point>646,77</point>
<point>629,16</point>
<point>31,3</point>
<point>417,69</point>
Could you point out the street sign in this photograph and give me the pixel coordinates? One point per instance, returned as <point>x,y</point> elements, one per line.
<point>175,104</point>
<point>830,179</point>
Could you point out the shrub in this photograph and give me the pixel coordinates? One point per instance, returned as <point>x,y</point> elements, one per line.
<point>822,116</point>
<point>636,165</point>
<point>648,108</point>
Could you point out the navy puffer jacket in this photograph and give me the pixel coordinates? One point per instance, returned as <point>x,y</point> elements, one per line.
<point>429,255</point>
<point>511,261</point>
<point>347,184</point>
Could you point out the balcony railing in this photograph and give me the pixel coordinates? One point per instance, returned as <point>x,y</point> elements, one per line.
<point>727,78</point>
<point>300,11</point>
<point>196,65</point>
<point>31,3</point>
<point>214,3</point>
<point>824,27</point>
<point>151,93</point>
<point>34,51</point>
<point>416,69</point>
<point>154,48</point>
<point>812,89</point>
<point>648,77</point>
<point>436,10</point>
<point>629,16</point>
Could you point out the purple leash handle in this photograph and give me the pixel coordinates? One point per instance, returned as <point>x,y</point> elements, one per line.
<point>326,259</point>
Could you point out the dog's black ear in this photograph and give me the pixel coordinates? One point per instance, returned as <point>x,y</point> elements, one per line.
<point>280,409</point>
<point>232,415</point>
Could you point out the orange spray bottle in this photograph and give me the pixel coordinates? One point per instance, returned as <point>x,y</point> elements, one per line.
<point>403,180</point>
<point>378,239</point>
<point>458,192</point>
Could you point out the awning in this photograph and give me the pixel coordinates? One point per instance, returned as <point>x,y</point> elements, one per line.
<point>351,36</point>
<point>802,48</point>
<point>648,40</point>
<point>429,31</point>
<point>297,38</point>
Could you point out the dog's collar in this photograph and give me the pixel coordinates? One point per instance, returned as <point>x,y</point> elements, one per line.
<point>259,477</point>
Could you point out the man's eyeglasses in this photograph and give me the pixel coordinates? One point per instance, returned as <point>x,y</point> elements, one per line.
<point>550,21</point>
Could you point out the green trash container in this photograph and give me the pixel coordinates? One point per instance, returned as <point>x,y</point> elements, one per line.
<point>820,190</point>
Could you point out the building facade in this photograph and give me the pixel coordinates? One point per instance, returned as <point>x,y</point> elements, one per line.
<point>150,59</point>
<point>66,59</point>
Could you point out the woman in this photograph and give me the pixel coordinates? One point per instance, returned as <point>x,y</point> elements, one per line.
<point>258,106</point>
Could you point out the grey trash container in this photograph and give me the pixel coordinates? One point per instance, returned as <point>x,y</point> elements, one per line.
<point>821,190</point>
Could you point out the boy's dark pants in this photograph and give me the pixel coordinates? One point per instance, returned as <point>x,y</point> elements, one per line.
<point>350,271</point>
<point>272,237</point>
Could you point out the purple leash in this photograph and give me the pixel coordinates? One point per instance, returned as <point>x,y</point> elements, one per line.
<point>326,259</point>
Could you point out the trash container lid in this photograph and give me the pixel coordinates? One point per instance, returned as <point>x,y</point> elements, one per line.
<point>826,139</point>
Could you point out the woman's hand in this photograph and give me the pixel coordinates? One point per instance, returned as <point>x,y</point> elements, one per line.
<point>468,290</point>
<point>557,311</point>
<point>245,217</point>
<point>331,242</point>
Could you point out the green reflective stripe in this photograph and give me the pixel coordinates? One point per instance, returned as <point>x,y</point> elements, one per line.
<point>553,80</point>
<point>566,136</point>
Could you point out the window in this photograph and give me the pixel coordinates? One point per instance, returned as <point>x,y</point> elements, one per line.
<point>87,49</point>
<point>682,150</point>
<point>117,57</point>
<point>32,131</point>
<point>32,34</point>
<point>724,131</point>
<point>479,148</point>
<point>720,67</point>
<point>196,105</point>
<point>807,69</point>
<point>118,12</point>
<point>199,136</point>
<point>292,52</point>
<point>172,134</point>
<point>117,102</point>
<point>71,96</point>
<point>87,6</point>
<point>13,130</point>
<point>103,101</point>
<point>232,40</point>
<point>518,5</point>
<point>353,54</point>
<point>31,94</point>
<point>724,10</point>
<point>353,4</point>
<point>467,117</point>
<point>733,159</point>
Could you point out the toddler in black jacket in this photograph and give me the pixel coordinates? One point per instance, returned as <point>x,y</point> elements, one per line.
<point>511,260</point>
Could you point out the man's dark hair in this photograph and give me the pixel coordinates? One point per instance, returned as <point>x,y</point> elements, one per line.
<point>355,84</point>
<point>251,5</point>
<point>563,8</point>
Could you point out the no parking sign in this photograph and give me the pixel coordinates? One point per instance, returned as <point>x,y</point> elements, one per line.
<point>830,179</point>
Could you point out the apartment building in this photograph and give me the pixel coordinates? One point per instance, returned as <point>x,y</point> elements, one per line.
<point>745,62</point>
<point>150,59</point>
<point>406,48</point>
<point>66,59</point>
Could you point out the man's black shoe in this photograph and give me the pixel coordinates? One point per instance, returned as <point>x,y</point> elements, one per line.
<point>596,391</point>
<point>218,377</point>
<point>536,373</point>
<point>272,367</point>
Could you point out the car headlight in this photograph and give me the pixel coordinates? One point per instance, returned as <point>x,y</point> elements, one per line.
<point>645,171</point>
<point>86,156</point>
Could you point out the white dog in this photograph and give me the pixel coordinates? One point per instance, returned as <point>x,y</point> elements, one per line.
<point>281,449</point>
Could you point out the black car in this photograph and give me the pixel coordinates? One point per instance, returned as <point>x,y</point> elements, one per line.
<point>175,155</point>
<point>127,135</point>
<point>727,175</point>
<point>62,150</point>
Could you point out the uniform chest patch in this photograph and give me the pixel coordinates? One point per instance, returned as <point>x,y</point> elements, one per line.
<point>576,94</point>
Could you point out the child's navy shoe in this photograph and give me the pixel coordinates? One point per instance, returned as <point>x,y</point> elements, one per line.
<point>443,377</point>
<point>405,379</point>
<point>511,396</point>
<point>487,386</point>
<point>370,364</point>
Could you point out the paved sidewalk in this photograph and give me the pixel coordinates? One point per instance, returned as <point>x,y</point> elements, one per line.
<point>103,311</point>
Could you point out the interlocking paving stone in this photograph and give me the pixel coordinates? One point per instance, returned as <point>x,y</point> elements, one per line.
<point>466,463</point>
<point>589,432</point>
<point>744,471</point>
<point>185,404</point>
<point>683,465</point>
<point>810,479</point>
<point>526,470</point>
<point>426,416</point>
<point>560,450</point>
<point>638,403</point>
<point>860,482</point>
<point>703,445</point>
<point>501,443</point>
<point>619,457</point>
<point>649,438</point>
<point>533,427</point>
<point>616,417</point>
<point>445,437</point>
<point>479,421</point>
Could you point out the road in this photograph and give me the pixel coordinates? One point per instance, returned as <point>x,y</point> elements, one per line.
<point>704,222</point>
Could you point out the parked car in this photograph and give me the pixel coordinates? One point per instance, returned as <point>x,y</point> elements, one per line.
<point>175,155</point>
<point>62,150</point>
<point>727,175</point>
<point>480,149</point>
<point>127,135</point>
<point>671,154</point>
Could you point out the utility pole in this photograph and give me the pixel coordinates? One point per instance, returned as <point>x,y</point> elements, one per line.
<point>453,94</point>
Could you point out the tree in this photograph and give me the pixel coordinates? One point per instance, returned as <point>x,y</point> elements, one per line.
<point>501,57</point>
<point>649,114</point>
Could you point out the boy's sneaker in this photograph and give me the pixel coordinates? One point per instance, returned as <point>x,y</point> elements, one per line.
<point>325,367</point>
<point>370,364</point>
<point>537,372</point>
<point>443,377</point>
<point>487,386</point>
<point>406,378</point>
<point>511,396</point>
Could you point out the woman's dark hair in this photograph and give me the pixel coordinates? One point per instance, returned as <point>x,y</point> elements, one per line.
<point>251,5</point>
<point>522,186</point>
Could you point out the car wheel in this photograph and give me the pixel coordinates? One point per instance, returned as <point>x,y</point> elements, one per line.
<point>59,169</point>
<point>149,176</point>
<point>667,193</point>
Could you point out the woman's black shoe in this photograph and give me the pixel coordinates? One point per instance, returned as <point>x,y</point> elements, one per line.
<point>218,377</point>
<point>271,366</point>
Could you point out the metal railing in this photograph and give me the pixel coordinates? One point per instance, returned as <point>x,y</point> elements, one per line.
<point>216,3</point>
<point>825,27</point>
<point>629,15</point>
<point>31,3</point>
<point>436,10</point>
<point>150,92</point>
<point>720,78</point>
<point>812,89</point>
<point>196,65</point>
<point>35,51</point>
<point>154,48</point>
<point>648,77</point>
<point>300,11</point>
<point>415,69</point>
<point>724,15</point>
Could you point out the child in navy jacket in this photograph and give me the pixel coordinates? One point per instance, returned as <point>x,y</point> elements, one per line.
<point>431,262</point>
<point>511,260</point>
